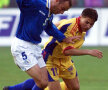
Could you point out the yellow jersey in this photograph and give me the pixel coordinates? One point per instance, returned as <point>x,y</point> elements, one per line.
<point>69,28</point>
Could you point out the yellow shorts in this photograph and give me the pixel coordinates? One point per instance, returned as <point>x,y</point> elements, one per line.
<point>62,84</point>
<point>60,68</point>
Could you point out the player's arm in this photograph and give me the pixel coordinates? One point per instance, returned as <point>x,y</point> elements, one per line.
<point>59,36</point>
<point>53,31</point>
<point>79,52</point>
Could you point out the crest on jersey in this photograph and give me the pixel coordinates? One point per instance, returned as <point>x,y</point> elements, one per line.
<point>70,68</point>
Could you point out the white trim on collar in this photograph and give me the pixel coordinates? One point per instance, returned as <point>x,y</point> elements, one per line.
<point>48,4</point>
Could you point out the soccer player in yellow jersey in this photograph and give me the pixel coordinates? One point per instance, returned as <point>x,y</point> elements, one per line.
<point>58,55</point>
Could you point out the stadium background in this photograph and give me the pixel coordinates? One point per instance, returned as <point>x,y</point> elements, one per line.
<point>93,73</point>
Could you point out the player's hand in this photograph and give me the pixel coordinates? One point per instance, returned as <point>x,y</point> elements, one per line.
<point>71,39</point>
<point>96,53</point>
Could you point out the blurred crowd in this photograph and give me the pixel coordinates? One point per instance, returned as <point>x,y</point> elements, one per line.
<point>76,3</point>
<point>8,4</point>
<point>90,3</point>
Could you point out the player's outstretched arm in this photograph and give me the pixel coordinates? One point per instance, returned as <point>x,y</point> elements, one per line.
<point>79,52</point>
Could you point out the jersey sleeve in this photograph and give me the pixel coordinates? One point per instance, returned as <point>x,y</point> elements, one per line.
<point>53,31</point>
<point>39,3</point>
<point>27,5</point>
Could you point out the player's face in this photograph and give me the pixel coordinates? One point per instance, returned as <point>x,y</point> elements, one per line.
<point>59,8</point>
<point>86,23</point>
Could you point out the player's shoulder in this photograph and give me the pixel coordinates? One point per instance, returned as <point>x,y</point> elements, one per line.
<point>72,20</point>
<point>63,20</point>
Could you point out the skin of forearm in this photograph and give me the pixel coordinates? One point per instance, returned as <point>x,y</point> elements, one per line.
<point>76,52</point>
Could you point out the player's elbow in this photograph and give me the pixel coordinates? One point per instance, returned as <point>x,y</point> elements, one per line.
<point>71,52</point>
<point>66,53</point>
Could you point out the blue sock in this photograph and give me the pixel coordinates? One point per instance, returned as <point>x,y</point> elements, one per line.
<point>26,85</point>
<point>36,88</point>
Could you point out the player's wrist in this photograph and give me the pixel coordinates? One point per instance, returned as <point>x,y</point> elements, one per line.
<point>89,52</point>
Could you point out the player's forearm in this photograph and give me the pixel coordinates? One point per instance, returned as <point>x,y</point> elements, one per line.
<point>77,52</point>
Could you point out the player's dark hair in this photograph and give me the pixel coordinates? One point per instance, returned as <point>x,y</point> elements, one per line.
<point>91,13</point>
<point>70,2</point>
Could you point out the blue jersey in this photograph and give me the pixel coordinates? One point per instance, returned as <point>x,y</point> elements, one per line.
<point>34,18</point>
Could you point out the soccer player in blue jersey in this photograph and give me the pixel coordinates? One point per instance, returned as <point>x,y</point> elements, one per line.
<point>36,16</point>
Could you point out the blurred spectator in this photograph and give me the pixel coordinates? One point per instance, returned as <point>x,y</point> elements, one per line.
<point>94,3</point>
<point>80,3</point>
<point>13,4</point>
<point>4,3</point>
<point>74,3</point>
<point>105,3</point>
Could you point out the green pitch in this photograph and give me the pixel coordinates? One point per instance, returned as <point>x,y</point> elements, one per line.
<point>92,72</point>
